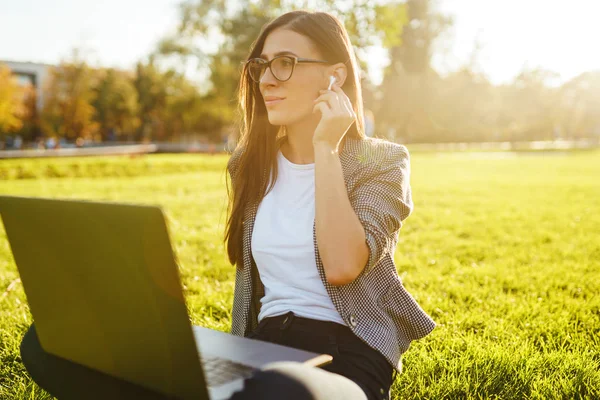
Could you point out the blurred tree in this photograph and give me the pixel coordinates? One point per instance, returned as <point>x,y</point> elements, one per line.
<point>529,106</point>
<point>31,123</point>
<point>464,108</point>
<point>151,87</point>
<point>171,106</point>
<point>579,104</point>
<point>188,112</point>
<point>69,94</point>
<point>407,94</point>
<point>115,103</point>
<point>180,106</point>
<point>12,108</point>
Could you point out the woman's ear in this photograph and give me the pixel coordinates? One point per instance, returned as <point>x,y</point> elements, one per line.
<point>340,71</point>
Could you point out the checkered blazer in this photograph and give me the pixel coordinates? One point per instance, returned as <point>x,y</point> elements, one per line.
<point>376,306</point>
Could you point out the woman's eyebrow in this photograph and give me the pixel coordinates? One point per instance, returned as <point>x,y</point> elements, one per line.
<point>279,53</point>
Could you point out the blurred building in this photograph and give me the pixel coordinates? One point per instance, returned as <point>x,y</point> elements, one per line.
<point>29,73</point>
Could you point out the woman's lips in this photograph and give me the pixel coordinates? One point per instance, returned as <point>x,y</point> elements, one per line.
<point>273,102</point>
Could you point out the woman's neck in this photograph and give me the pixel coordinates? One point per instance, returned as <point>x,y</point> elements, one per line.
<point>298,146</point>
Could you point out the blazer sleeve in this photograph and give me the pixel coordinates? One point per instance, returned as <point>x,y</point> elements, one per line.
<point>234,161</point>
<point>382,200</point>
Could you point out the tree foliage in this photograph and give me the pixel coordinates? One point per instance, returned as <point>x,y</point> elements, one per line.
<point>407,90</point>
<point>12,109</point>
<point>69,95</point>
<point>115,103</point>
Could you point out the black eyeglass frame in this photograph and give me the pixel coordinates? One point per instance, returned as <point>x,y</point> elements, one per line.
<point>267,64</point>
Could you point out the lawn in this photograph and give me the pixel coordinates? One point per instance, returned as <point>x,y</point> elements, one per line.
<point>502,249</point>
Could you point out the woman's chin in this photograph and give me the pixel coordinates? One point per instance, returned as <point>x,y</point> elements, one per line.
<point>275,119</point>
<point>281,119</point>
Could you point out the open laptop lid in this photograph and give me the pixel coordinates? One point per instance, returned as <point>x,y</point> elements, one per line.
<point>104,290</point>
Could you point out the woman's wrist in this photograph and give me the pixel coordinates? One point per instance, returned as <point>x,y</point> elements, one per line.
<point>325,147</point>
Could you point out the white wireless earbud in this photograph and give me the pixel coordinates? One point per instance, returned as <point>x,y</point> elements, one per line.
<point>331,81</point>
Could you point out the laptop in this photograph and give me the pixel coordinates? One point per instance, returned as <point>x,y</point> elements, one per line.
<point>103,287</point>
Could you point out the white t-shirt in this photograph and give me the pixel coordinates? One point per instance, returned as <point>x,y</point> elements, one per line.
<point>283,249</point>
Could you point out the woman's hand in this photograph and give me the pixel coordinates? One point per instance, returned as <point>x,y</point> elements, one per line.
<point>337,116</point>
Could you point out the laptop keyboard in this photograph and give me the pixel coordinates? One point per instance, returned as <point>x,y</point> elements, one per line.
<point>218,371</point>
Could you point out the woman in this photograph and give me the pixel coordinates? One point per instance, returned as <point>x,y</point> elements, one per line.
<point>314,244</point>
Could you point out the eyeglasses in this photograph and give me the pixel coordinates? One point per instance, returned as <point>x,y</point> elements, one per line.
<point>282,67</point>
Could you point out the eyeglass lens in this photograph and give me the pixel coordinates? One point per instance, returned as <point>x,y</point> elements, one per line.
<point>281,67</point>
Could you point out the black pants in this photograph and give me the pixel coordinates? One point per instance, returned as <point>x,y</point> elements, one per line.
<point>353,359</point>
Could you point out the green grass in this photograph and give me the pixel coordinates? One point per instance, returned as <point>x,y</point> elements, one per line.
<point>109,166</point>
<point>503,252</point>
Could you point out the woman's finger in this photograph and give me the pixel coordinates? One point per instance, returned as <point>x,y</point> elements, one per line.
<point>335,98</point>
<point>342,107</point>
<point>332,98</point>
<point>344,99</point>
<point>323,107</point>
<point>333,105</point>
<point>345,102</point>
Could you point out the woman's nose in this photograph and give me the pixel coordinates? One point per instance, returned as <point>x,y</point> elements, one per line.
<point>267,78</point>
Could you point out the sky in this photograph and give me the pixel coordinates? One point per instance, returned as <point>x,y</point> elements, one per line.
<point>561,36</point>
<point>510,34</point>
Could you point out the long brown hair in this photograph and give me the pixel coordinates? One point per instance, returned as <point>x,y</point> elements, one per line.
<point>259,140</point>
